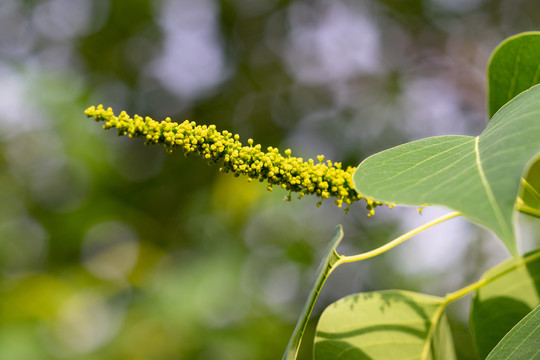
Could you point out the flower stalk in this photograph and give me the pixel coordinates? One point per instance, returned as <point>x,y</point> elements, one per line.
<point>325,179</point>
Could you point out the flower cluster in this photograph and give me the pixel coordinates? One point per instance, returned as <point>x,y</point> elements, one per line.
<point>324,179</point>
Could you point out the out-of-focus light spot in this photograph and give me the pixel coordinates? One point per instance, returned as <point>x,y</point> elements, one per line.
<point>331,43</point>
<point>23,246</point>
<point>63,19</point>
<point>432,108</point>
<point>16,37</point>
<point>192,62</point>
<point>17,114</point>
<point>85,322</point>
<point>110,250</point>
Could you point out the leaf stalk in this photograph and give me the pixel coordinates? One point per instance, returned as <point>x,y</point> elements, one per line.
<point>397,241</point>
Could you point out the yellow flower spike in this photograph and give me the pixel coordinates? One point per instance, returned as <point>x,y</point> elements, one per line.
<point>325,179</point>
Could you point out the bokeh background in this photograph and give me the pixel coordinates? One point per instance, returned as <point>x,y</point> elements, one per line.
<point>113,250</point>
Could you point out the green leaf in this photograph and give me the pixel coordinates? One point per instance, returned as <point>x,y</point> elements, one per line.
<point>522,342</point>
<point>510,292</point>
<point>384,325</point>
<point>478,176</point>
<point>325,268</point>
<point>514,67</point>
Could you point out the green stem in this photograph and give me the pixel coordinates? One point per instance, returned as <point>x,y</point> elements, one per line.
<point>397,241</point>
<point>484,281</point>
<point>522,207</point>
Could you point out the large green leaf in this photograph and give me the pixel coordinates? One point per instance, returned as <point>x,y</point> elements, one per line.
<point>522,342</point>
<point>478,176</point>
<point>384,325</point>
<point>511,292</point>
<point>326,266</point>
<point>514,67</point>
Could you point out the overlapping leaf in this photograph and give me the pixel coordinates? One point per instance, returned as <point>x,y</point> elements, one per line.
<point>511,292</point>
<point>478,176</point>
<point>384,325</point>
<point>515,67</point>
<point>522,342</point>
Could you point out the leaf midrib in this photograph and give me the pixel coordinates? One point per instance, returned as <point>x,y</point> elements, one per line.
<point>489,192</point>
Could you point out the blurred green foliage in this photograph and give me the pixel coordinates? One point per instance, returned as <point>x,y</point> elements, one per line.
<point>113,250</point>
